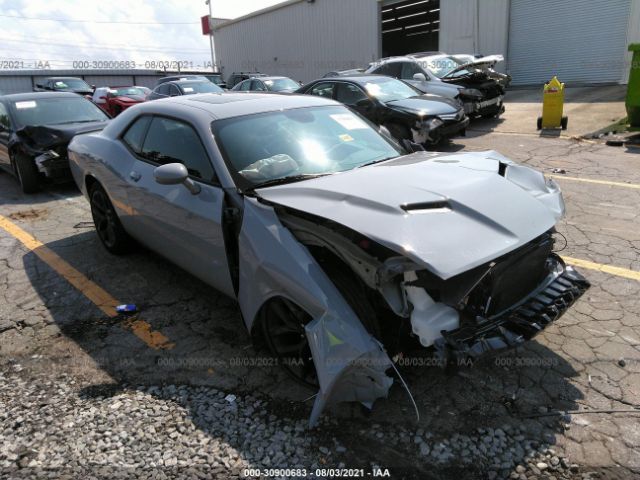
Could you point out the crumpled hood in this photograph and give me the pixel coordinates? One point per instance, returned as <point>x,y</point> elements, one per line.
<point>484,63</point>
<point>47,136</point>
<point>425,105</point>
<point>447,212</point>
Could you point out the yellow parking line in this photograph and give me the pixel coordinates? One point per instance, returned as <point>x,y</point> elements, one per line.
<point>618,271</point>
<point>599,182</point>
<point>101,298</point>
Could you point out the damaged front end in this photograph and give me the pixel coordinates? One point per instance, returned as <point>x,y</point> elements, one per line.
<point>496,306</point>
<point>47,145</point>
<point>403,231</point>
<point>433,130</point>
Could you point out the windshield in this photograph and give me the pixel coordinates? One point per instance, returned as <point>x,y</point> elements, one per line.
<point>389,89</point>
<point>281,84</point>
<point>200,87</point>
<point>443,65</point>
<point>127,92</point>
<point>305,141</point>
<point>56,111</point>
<point>71,84</point>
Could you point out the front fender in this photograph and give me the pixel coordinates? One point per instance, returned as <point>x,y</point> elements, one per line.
<point>349,361</point>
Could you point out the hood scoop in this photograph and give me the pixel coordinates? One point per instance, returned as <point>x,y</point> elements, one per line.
<point>437,206</point>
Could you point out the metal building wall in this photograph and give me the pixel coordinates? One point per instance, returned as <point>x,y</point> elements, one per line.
<point>301,40</point>
<point>475,26</point>
<point>20,81</point>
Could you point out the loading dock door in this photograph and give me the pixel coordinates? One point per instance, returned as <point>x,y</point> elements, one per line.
<point>409,26</point>
<point>579,41</point>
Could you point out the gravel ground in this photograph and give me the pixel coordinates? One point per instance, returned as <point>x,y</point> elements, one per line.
<point>56,428</point>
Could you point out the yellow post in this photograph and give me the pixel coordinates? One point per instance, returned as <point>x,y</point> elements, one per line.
<point>553,106</point>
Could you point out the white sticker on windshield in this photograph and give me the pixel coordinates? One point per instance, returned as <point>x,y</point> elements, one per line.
<point>29,104</point>
<point>348,121</point>
<point>188,89</point>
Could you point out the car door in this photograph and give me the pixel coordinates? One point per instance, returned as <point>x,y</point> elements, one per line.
<point>355,98</point>
<point>185,228</point>
<point>5,134</point>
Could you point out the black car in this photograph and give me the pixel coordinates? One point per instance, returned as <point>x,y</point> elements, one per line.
<point>267,84</point>
<point>64,84</point>
<point>35,130</point>
<point>183,87</point>
<point>402,109</point>
<point>237,77</point>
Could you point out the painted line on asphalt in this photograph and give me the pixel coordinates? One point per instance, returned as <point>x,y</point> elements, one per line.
<point>610,269</point>
<point>96,294</point>
<point>599,182</point>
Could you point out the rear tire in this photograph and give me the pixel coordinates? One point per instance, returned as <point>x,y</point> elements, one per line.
<point>108,227</point>
<point>27,173</point>
<point>564,123</point>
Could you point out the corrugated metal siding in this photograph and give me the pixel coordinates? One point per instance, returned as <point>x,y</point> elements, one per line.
<point>17,84</point>
<point>474,26</point>
<point>579,40</point>
<point>458,26</point>
<point>303,40</point>
<point>633,36</point>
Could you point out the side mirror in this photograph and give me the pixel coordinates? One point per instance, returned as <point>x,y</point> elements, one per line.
<point>175,174</point>
<point>93,87</point>
<point>420,77</point>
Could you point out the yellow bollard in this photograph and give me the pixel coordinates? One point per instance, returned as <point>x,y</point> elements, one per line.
<point>553,106</point>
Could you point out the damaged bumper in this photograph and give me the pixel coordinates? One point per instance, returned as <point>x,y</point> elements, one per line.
<point>53,165</point>
<point>521,323</point>
<point>485,107</point>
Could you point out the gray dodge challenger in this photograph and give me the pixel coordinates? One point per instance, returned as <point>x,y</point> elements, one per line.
<point>340,247</point>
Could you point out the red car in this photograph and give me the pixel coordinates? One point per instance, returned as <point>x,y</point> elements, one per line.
<point>114,100</point>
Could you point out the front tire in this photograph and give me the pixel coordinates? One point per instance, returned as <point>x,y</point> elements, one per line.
<point>27,173</point>
<point>284,324</point>
<point>108,227</point>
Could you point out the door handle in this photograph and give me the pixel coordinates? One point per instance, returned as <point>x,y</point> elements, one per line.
<point>135,176</point>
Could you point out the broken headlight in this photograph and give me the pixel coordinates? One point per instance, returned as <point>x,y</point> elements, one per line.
<point>471,93</point>
<point>431,123</point>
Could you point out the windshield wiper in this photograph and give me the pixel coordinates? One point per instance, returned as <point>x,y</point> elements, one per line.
<point>378,161</point>
<point>289,179</point>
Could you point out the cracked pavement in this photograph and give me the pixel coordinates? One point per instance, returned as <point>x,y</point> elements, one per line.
<point>589,360</point>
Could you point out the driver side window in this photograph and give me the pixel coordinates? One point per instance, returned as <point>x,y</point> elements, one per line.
<point>245,86</point>
<point>173,141</point>
<point>323,89</point>
<point>349,94</point>
<point>409,69</point>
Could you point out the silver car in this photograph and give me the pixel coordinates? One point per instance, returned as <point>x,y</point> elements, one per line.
<point>334,241</point>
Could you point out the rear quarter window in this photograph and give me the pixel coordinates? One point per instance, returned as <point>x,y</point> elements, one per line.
<point>134,136</point>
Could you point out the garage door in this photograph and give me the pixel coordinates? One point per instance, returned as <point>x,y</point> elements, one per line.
<point>577,40</point>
